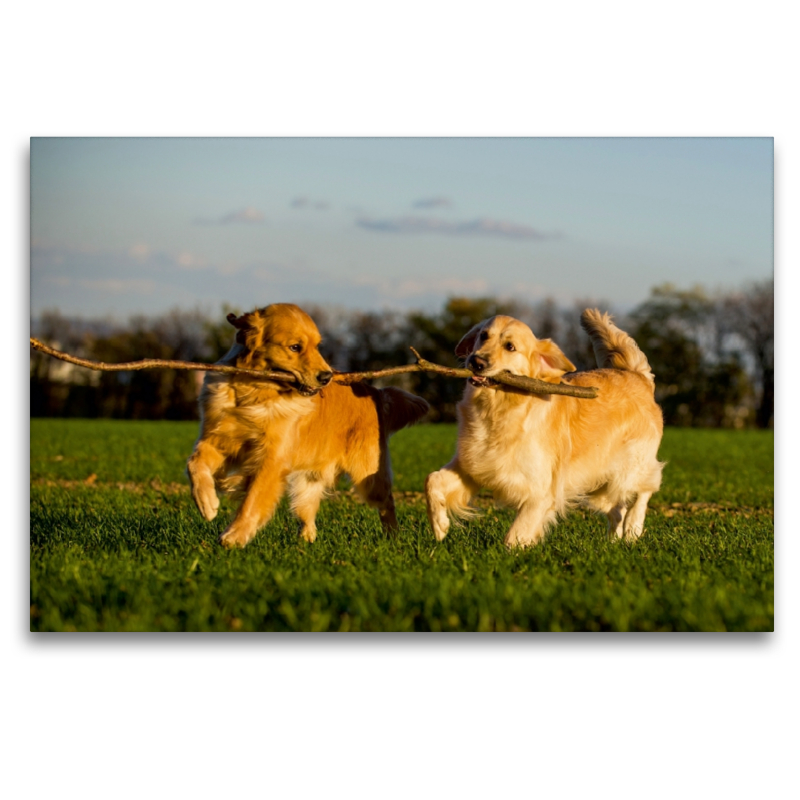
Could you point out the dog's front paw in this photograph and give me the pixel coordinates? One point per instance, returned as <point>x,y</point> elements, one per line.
<point>633,532</point>
<point>437,507</point>
<point>517,544</point>
<point>512,541</point>
<point>308,533</point>
<point>515,539</point>
<point>206,500</point>
<point>235,537</point>
<point>204,493</point>
<point>439,520</point>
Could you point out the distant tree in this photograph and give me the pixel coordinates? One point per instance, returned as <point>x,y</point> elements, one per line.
<point>707,353</point>
<point>571,337</point>
<point>377,340</point>
<point>698,382</point>
<point>58,388</point>
<point>750,316</point>
<point>219,334</point>
<point>184,335</point>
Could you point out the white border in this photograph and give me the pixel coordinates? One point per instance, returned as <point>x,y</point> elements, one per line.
<point>386,716</point>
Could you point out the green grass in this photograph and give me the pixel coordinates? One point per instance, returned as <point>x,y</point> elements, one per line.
<point>116,544</point>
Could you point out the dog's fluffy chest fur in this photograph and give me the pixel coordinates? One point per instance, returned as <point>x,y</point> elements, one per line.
<point>499,443</point>
<point>253,403</point>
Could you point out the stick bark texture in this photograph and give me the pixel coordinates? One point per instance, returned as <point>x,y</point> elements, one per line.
<point>520,382</point>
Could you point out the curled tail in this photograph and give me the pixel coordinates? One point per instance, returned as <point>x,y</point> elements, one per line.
<point>613,348</point>
<point>401,409</point>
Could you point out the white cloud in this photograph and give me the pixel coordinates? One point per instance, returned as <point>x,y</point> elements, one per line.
<point>247,216</point>
<point>187,260</point>
<point>118,285</point>
<point>139,251</point>
<point>433,202</point>
<point>307,202</point>
<point>478,227</point>
<point>139,278</point>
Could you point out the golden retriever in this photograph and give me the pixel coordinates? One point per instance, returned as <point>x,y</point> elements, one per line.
<point>260,438</point>
<point>542,454</point>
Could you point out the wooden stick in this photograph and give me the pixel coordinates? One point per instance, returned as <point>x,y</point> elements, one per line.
<point>156,363</point>
<point>531,385</point>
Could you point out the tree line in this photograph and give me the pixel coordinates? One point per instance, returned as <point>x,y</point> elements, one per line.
<point>712,354</point>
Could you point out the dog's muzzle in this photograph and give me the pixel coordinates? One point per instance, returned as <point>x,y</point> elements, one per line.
<point>478,364</point>
<point>322,379</point>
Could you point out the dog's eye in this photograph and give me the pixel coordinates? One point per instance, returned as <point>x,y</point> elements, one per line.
<point>296,348</point>
<point>510,347</point>
<point>484,336</point>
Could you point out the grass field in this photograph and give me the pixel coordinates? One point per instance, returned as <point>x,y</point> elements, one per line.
<point>117,545</point>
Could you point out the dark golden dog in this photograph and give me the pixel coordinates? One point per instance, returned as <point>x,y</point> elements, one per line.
<point>261,438</point>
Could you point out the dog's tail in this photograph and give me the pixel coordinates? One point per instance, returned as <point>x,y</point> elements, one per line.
<point>401,409</point>
<point>613,348</point>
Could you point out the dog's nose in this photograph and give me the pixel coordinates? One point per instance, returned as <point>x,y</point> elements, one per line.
<point>477,364</point>
<point>324,378</point>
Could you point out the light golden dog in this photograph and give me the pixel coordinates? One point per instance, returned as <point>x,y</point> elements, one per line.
<point>542,454</point>
<point>259,438</point>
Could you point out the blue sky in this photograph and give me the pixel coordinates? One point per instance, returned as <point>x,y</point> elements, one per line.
<point>123,226</point>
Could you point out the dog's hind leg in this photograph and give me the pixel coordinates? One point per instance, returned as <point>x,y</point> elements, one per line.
<point>203,464</point>
<point>647,486</point>
<point>377,491</point>
<point>306,490</point>
<point>616,520</point>
<point>372,480</point>
<point>634,521</point>
<point>448,491</point>
<point>386,510</point>
<point>612,506</point>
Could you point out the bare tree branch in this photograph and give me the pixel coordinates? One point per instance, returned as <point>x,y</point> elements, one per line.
<point>156,363</point>
<point>521,382</point>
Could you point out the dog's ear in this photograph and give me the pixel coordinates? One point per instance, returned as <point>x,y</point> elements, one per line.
<point>467,343</point>
<point>245,330</point>
<point>550,362</point>
<point>237,322</point>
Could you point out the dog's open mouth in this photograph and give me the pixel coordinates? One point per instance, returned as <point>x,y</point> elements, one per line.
<point>480,380</point>
<point>287,378</point>
<point>292,381</point>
